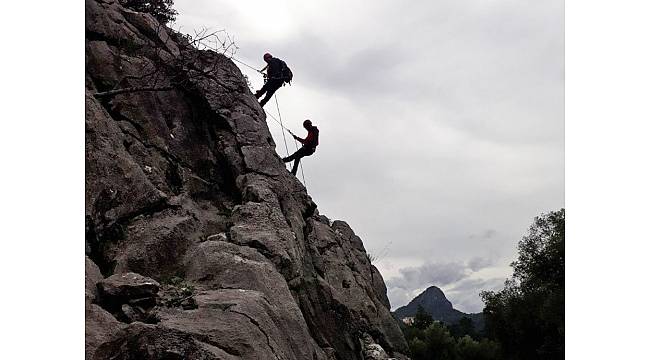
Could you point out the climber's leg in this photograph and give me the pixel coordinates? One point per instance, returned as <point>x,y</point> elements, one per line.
<point>298,154</point>
<point>302,152</point>
<point>273,86</point>
<point>292,156</point>
<point>261,91</point>
<point>294,170</point>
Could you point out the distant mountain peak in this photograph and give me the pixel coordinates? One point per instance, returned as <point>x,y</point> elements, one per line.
<point>432,291</point>
<point>432,299</point>
<point>436,304</point>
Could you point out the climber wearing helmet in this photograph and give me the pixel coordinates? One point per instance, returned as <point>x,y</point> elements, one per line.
<point>277,74</point>
<point>308,145</point>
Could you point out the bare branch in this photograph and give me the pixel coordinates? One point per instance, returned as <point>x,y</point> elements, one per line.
<point>130,90</point>
<point>189,65</point>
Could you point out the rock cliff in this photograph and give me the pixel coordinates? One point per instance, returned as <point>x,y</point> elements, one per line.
<point>199,243</point>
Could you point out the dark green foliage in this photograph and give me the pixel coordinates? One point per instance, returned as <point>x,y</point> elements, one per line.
<point>177,293</point>
<point>418,348</point>
<point>437,343</point>
<point>422,319</point>
<point>440,342</point>
<point>470,349</point>
<point>464,326</point>
<point>160,9</point>
<point>527,316</point>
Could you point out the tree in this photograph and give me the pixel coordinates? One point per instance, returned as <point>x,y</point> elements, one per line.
<point>440,344</point>
<point>160,9</point>
<point>527,316</point>
<point>422,319</point>
<point>470,349</point>
<point>418,348</point>
<point>436,342</point>
<point>464,326</point>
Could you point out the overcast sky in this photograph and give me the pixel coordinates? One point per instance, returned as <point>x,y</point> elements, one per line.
<point>441,124</point>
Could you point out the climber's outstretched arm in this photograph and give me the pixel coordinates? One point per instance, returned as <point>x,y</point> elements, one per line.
<point>302,141</point>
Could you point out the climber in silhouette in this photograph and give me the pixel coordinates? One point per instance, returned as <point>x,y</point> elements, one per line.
<point>308,145</point>
<point>277,74</point>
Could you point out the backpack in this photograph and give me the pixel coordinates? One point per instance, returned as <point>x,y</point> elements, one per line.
<point>287,75</point>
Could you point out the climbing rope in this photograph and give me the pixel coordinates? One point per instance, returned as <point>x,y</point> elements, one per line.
<point>259,71</point>
<point>277,106</point>
<point>277,121</point>
<point>300,164</point>
<point>285,144</point>
<point>243,63</point>
<point>284,137</point>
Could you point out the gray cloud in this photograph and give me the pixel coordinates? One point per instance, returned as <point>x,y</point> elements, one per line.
<point>466,294</point>
<point>478,263</point>
<point>438,274</point>
<point>487,234</point>
<point>473,284</point>
<point>400,297</point>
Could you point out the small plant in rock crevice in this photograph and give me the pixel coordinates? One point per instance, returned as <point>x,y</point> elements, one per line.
<point>178,293</point>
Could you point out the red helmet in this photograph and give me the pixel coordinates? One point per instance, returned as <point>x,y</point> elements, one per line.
<point>267,56</point>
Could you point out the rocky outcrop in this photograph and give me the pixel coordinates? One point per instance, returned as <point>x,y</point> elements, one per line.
<point>101,326</point>
<point>150,342</point>
<point>127,286</point>
<point>201,231</point>
<point>129,297</point>
<point>371,350</point>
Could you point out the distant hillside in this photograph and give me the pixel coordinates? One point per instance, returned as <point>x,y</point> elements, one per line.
<point>435,303</point>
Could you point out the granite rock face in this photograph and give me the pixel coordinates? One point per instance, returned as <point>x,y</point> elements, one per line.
<point>183,185</point>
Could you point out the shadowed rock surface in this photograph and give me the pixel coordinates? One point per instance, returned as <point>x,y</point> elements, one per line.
<point>183,186</point>
<point>101,326</point>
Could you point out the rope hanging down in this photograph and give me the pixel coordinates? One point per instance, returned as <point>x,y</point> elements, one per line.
<point>284,137</point>
<point>285,145</point>
<point>294,141</point>
<point>282,126</point>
